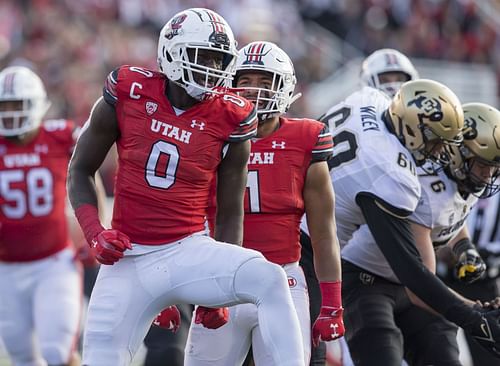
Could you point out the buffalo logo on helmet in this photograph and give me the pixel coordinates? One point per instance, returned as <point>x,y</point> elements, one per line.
<point>470,129</point>
<point>430,106</point>
<point>175,26</point>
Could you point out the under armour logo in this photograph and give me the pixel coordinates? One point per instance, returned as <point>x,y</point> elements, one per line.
<point>200,125</point>
<point>276,144</point>
<point>334,327</point>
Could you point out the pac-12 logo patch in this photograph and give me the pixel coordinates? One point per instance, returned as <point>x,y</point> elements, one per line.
<point>151,107</point>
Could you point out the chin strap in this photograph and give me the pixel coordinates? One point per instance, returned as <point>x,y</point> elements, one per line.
<point>294,98</point>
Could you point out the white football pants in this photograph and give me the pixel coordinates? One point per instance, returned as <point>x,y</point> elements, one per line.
<point>229,344</point>
<point>195,270</point>
<point>40,306</point>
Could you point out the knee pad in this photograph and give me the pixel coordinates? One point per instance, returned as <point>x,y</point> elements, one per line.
<point>257,277</point>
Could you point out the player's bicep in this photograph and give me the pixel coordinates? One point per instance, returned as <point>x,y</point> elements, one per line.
<point>96,138</point>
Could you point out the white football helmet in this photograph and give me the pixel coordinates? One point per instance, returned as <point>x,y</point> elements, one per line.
<point>197,29</point>
<point>267,57</point>
<point>18,83</point>
<point>383,61</point>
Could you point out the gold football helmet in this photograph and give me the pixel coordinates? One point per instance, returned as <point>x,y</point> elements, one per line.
<point>475,165</point>
<point>425,116</point>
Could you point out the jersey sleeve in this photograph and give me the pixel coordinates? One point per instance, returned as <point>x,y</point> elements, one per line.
<point>423,213</point>
<point>110,90</point>
<point>323,149</point>
<point>246,129</point>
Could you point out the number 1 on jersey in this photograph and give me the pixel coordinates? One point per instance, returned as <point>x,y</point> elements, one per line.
<point>253,191</point>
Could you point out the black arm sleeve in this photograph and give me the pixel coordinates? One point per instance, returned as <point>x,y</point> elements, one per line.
<point>394,237</point>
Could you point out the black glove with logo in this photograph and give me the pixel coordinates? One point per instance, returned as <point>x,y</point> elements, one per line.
<point>484,327</point>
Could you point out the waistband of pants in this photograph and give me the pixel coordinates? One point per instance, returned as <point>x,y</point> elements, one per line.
<point>290,265</point>
<point>365,277</point>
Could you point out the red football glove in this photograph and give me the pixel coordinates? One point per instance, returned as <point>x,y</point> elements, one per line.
<point>109,246</point>
<point>211,318</point>
<point>169,318</point>
<point>329,325</point>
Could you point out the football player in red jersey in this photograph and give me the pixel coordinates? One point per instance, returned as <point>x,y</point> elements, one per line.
<point>287,176</point>
<point>175,130</point>
<point>40,283</point>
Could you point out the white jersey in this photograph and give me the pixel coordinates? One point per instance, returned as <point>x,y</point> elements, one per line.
<point>484,224</point>
<point>441,207</point>
<point>367,159</point>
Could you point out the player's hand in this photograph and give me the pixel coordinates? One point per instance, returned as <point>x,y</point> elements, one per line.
<point>489,305</point>
<point>109,246</point>
<point>169,318</point>
<point>470,266</point>
<point>211,318</point>
<point>328,326</point>
<point>85,255</point>
<point>485,329</point>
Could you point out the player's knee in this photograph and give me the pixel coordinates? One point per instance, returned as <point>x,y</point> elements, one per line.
<point>55,354</point>
<point>257,277</point>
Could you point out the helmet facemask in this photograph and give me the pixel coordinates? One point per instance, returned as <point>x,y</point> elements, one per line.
<point>466,170</point>
<point>199,78</point>
<point>271,100</point>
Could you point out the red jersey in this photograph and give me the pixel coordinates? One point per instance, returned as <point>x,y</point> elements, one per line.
<point>33,193</point>
<point>167,161</point>
<point>274,203</point>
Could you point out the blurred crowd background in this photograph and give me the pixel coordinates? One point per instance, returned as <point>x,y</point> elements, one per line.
<point>74,44</point>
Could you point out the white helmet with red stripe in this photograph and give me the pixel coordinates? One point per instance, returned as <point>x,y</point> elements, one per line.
<point>384,61</point>
<point>181,48</point>
<point>23,101</point>
<point>267,57</point>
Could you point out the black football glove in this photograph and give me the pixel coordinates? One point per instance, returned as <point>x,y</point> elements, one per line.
<point>485,329</point>
<point>470,266</point>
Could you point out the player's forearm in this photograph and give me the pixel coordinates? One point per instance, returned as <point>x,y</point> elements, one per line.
<point>230,229</point>
<point>327,259</point>
<point>81,187</point>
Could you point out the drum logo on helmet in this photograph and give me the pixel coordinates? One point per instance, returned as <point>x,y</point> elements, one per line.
<point>175,26</point>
